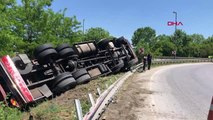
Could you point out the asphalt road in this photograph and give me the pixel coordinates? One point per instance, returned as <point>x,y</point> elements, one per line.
<point>182,92</point>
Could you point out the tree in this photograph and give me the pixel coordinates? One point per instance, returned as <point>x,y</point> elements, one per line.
<point>206,48</point>
<point>144,38</point>
<point>146,35</point>
<point>194,45</point>
<point>182,41</point>
<point>32,23</point>
<point>197,38</point>
<point>96,34</point>
<point>7,36</point>
<point>164,46</point>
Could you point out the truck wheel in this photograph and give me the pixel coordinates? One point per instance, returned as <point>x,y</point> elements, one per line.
<point>83,79</point>
<point>41,48</point>
<point>79,73</point>
<point>65,50</point>
<point>64,82</point>
<point>118,42</point>
<point>62,46</point>
<point>64,85</point>
<point>47,56</point>
<point>81,76</point>
<point>45,53</point>
<point>22,68</point>
<point>103,44</point>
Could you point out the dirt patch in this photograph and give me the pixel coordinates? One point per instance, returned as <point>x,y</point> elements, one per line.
<point>132,99</point>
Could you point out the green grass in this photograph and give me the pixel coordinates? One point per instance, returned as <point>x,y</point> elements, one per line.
<point>47,111</point>
<point>52,110</point>
<point>8,113</point>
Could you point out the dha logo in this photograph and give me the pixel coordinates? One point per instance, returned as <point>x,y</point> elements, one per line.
<point>170,23</point>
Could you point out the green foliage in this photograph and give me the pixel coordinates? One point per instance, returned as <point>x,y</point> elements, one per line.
<point>164,45</point>
<point>96,34</point>
<point>85,104</point>
<point>145,35</point>
<point>25,26</point>
<point>47,110</point>
<point>194,45</point>
<point>8,113</point>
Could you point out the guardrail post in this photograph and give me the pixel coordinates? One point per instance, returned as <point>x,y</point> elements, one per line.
<point>91,99</point>
<point>78,109</point>
<point>99,91</point>
<point>106,85</point>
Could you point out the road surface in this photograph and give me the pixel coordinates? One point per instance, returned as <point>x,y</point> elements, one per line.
<point>184,91</point>
<point>174,92</point>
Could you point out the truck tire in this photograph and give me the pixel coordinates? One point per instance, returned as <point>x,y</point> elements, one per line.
<point>64,85</point>
<point>64,82</point>
<point>103,44</point>
<point>62,46</point>
<point>41,48</point>
<point>45,53</point>
<point>118,42</point>
<point>83,79</point>
<point>47,56</point>
<point>65,50</point>
<point>22,68</point>
<point>81,76</point>
<point>79,73</point>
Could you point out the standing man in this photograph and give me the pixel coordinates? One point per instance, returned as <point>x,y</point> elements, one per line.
<point>144,63</point>
<point>149,60</point>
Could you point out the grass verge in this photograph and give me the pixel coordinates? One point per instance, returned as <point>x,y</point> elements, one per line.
<point>62,107</point>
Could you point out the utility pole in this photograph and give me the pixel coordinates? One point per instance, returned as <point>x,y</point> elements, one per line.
<point>175,41</point>
<point>83,25</point>
<point>83,31</point>
<point>175,20</point>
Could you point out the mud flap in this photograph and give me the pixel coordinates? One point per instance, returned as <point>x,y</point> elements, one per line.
<point>45,91</point>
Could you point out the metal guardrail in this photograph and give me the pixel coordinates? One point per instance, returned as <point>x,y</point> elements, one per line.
<point>170,61</point>
<point>78,109</point>
<point>106,97</point>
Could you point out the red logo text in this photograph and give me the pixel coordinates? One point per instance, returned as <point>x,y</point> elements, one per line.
<point>170,23</point>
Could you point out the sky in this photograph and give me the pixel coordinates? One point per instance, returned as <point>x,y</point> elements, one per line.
<point>123,17</point>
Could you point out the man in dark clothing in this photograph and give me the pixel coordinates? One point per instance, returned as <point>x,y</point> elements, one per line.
<point>149,61</point>
<point>144,63</point>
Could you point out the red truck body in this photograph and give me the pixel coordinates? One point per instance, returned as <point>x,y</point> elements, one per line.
<point>14,82</point>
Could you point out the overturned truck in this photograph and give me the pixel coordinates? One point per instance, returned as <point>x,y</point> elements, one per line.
<point>56,70</point>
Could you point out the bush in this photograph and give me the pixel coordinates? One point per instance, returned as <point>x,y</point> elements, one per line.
<point>8,113</point>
